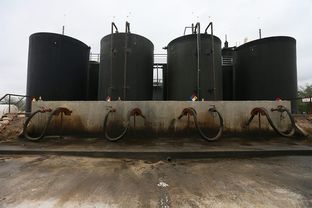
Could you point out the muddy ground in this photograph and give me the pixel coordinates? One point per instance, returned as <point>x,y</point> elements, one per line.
<point>56,181</point>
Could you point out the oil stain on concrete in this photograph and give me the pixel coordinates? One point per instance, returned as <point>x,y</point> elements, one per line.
<point>56,181</point>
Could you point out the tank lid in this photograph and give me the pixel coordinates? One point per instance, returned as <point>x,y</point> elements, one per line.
<point>192,36</point>
<point>60,36</point>
<point>130,34</point>
<point>266,40</point>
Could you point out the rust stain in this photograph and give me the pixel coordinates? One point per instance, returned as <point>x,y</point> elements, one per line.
<point>67,125</point>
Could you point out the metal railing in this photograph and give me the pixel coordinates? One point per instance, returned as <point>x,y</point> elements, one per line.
<point>227,61</point>
<point>94,57</point>
<point>160,58</point>
<point>158,75</point>
<point>14,99</point>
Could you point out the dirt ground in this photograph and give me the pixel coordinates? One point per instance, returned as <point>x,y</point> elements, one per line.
<point>305,122</point>
<point>56,181</point>
<point>12,130</point>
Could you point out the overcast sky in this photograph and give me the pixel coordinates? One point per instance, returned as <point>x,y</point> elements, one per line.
<point>160,21</point>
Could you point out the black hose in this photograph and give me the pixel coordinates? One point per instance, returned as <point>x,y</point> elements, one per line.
<point>43,132</point>
<point>114,139</point>
<point>287,133</point>
<point>220,131</point>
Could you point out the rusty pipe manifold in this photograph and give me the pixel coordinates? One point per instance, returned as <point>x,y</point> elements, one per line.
<point>134,112</point>
<point>55,112</point>
<point>262,111</point>
<point>192,112</point>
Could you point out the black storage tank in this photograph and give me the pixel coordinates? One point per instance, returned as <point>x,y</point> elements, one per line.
<point>93,80</point>
<point>182,72</point>
<point>266,69</point>
<point>126,67</point>
<point>57,68</point>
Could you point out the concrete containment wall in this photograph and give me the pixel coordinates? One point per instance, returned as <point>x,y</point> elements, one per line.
<point>161,116</point>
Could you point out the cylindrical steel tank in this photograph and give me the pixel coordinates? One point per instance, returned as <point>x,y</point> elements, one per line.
<point>93,80</point>
<point>126,67</point>
<point>266,69</point>
<point>182,69</point>
<point>57,68</point>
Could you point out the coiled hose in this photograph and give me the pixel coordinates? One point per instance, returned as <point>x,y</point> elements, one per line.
<point>123,133</point>
<point>44,130</point>
<point>281,109</point>
<point>133,112</point>
<point>292,131</point>
<point>192,111</point>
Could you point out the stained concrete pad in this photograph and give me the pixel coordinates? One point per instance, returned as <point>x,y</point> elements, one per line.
<point>156,172</point>
<point>58,181</point>
<point>162,148</point>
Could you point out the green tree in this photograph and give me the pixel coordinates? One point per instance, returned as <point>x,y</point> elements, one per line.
<point>304,91</point>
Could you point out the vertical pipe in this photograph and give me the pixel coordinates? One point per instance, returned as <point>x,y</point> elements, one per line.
<point>166,77</point>
<point>197,29</point>
<point>110,89</point>
<point>125,62</point>
<point>61,125</point>
<point>234,76</point>
<point>157,82</point>
<point>157,75</point>
<point>259,33</point>
<point>213,64</point>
